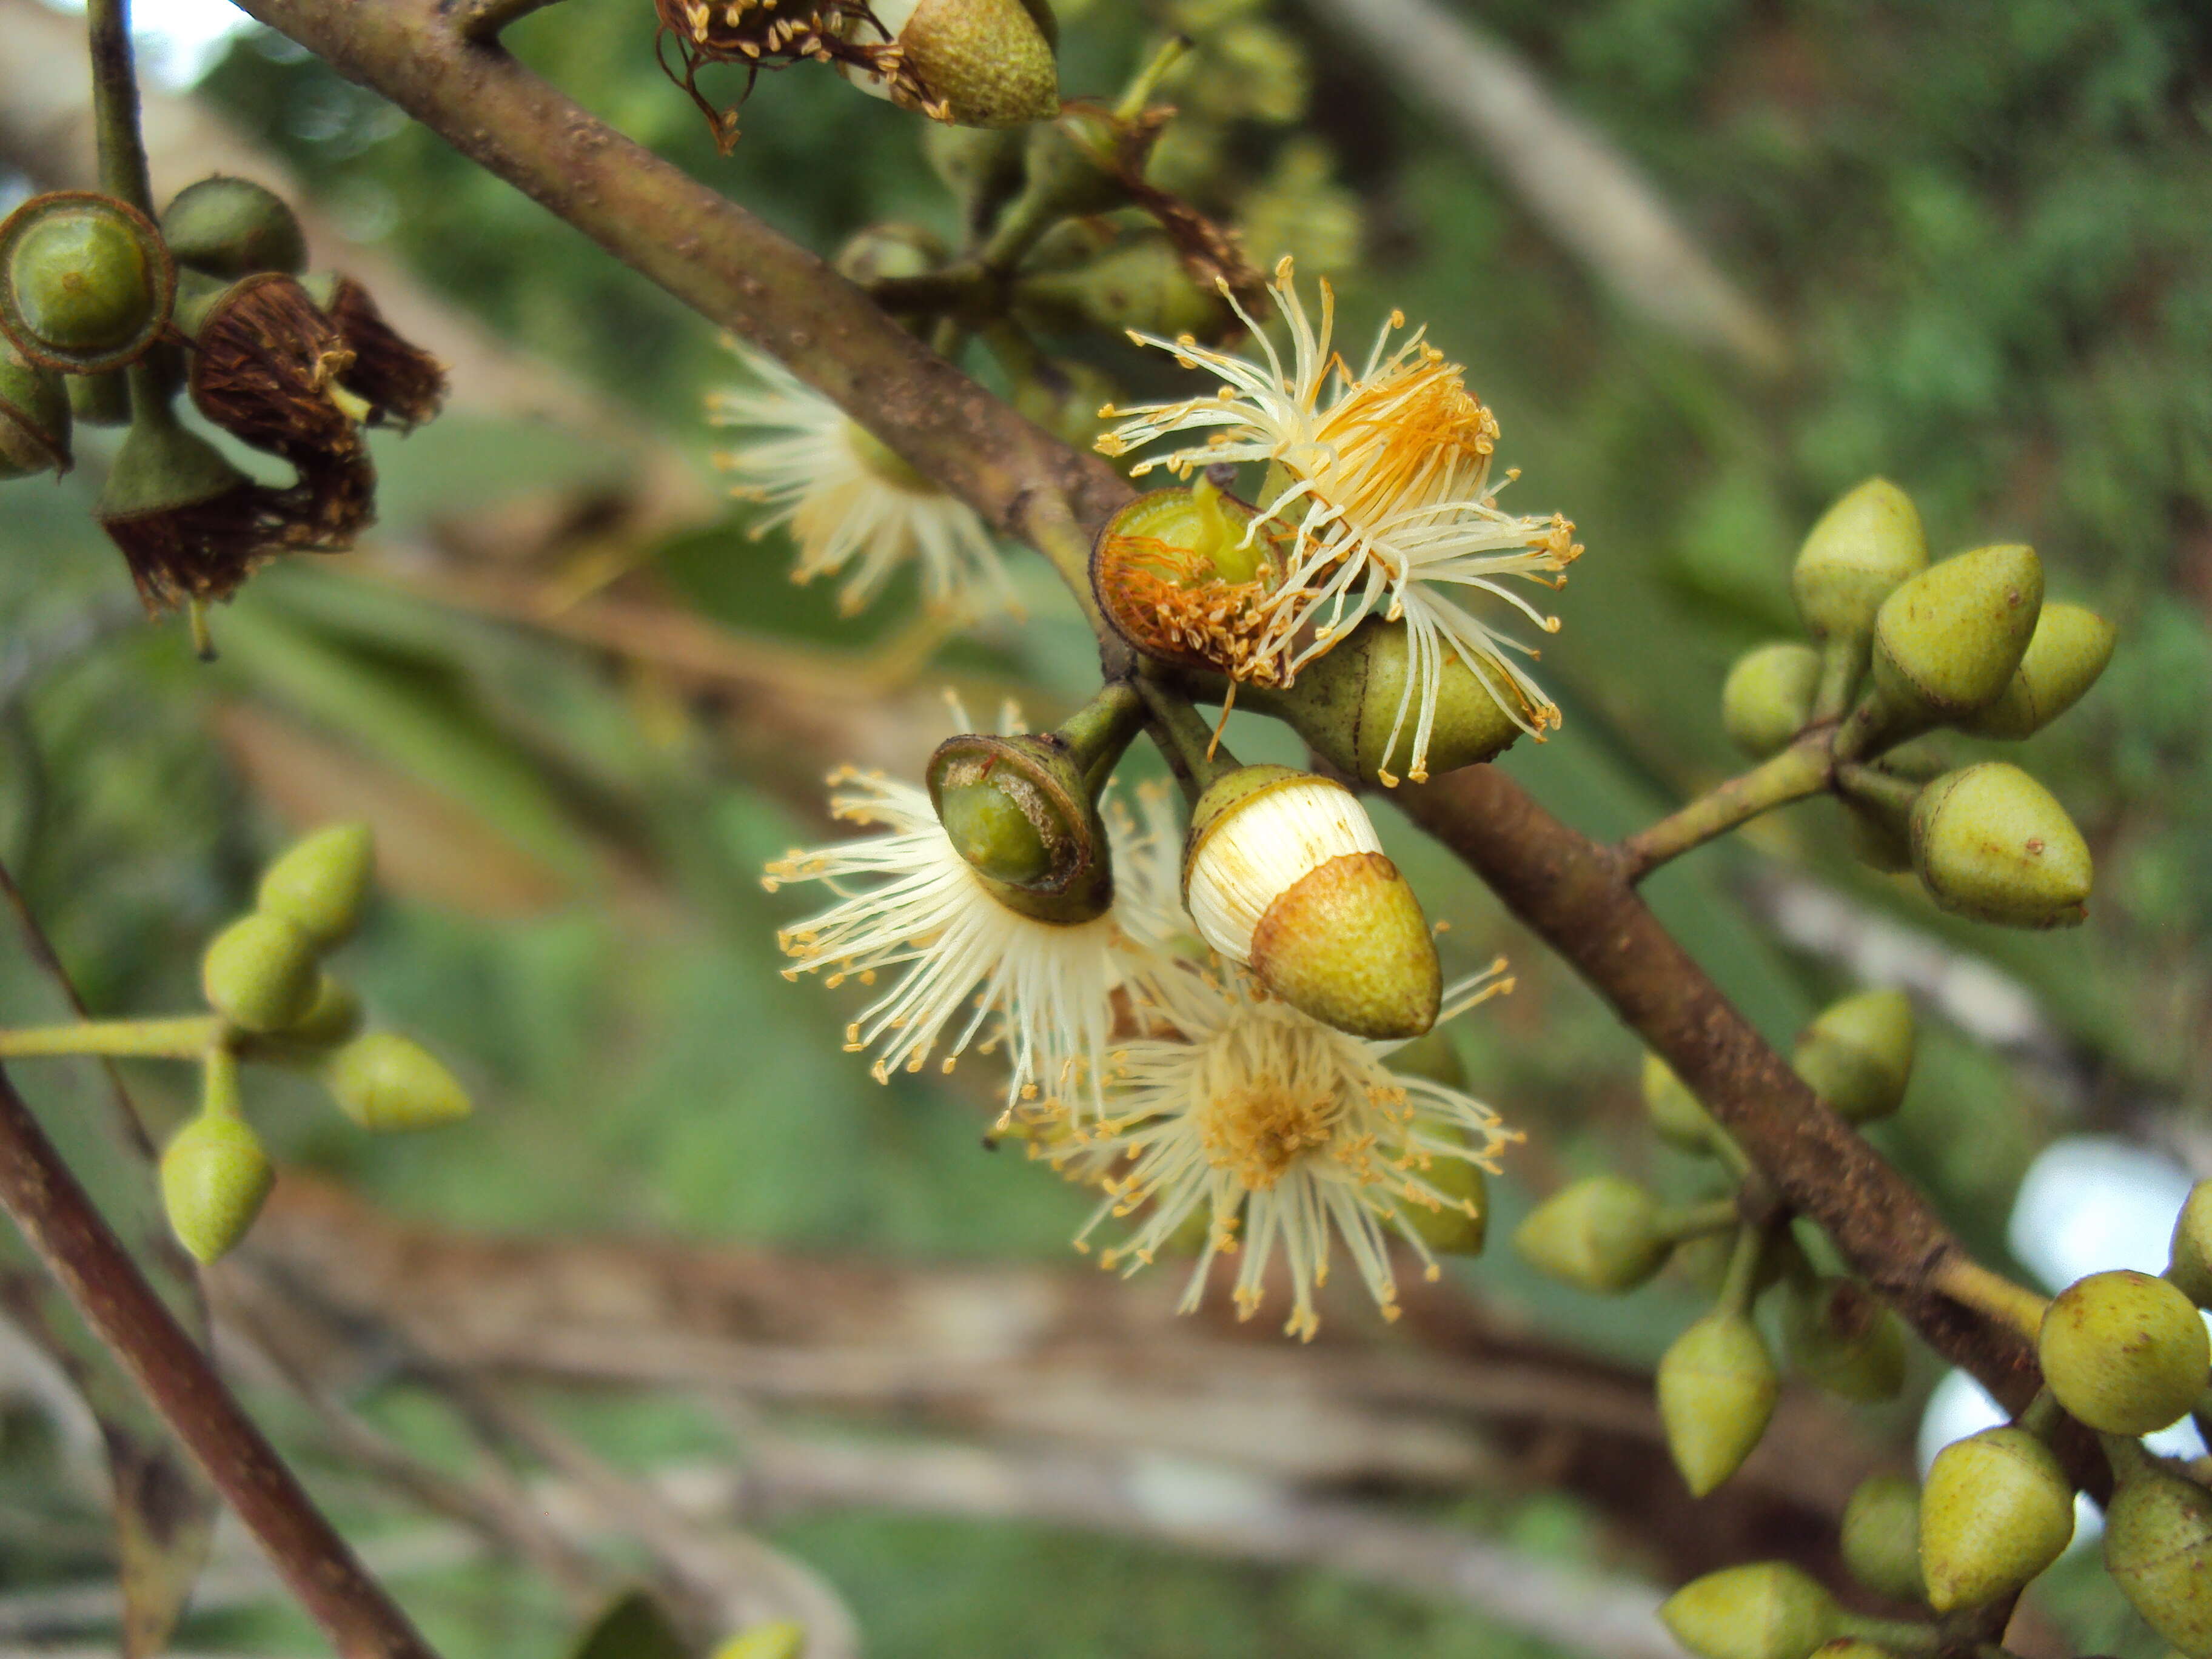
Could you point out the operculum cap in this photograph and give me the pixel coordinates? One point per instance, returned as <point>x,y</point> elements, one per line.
<point>85,281</point>
<point>981,62</point>
<point>2124,1352</point>
<point>1765,1610</point>
<point>321,882</point>
<point>34,417</point>
<point>1990,843</point>
<point>1948,641</point>
<point>1858,1054</point>
<point>1017,810</point>
<point>1717,1386</point>
<point>2066,654</point>
<point>1767,698</point>
<point>232,227</point>
<point>1862,547</point>
<point>1997,1510</point>
<point>2158,1548</point>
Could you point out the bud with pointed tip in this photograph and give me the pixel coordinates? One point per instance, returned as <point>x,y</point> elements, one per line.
<point>1862,547</point>
<point>321,882</point>
<point>972,63</point>
<point>1019,810</point>
<point>1676,1114</point>
<point>2191,1264</point>
<point>386,1082</point>
<point>2158,1548</point>
<point>1843,1337</point>
<point>1997,1510</point>
<point>1284,872</point>
<point>215,1176</point>
<point>232,227</point>
<point>1768,696</point>
<point>85,281</point>
<point>1717,1386</point>
<point>2068,651</point>
<point>1765,1610</point>
<point>784,1638</point>
<point>1858,1054</point>
<point>259,973</point>
<point>1990,843</point>
<point>2124,1352</point>
<point>34,417</point>
<point>1948,641</point>
<point>1600,1233</point>
<point>1879,1536</point>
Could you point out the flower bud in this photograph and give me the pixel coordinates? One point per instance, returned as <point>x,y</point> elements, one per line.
<point>2191,1267</point>
<point>1018,811</point>
<point>332,1017</point>
<point>1840,1335</point>
<point>1139,283</point>
<point>891,250</point>
<point>974,63</point>
<point>1676,1114</point>
<point>2124,1352</point>
<point>1461,1227</point>
<point>2066,654</point>
<point>1283,872</point>
<point>1765,1610</point>
<point>1768,696</point>
<point>384,1082</point>
<point>785,1639</point>
<point>1600,1233</point>
<point>85,283</point>
<point>259,973</point>
<point>232,227</point>
<point>2158,1548</point>
<point>1997,1510</point>
<point>1717,1386</point>
<point>1948,641</point>
<point>322,881</point>
<point>1858,1054</point>
<point>1990,843</point>
<point>1862,547</point>
<point>215,1176</point>
<point>1881,1537</point>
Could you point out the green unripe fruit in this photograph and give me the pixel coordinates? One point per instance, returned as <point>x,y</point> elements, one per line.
<point>233,228</point>
<point>1717,1386</point>
<point>215,1176</point>
<point>1881,1537</point>
<point>1602,1233</point>
<point>1675,1113</point>
<point>783,1639</point>
<point>384,1082</point>
<point>1858,1054</point>
<point>1862,547</point>
<point>1990,843</point>
<point>1765,1610</point>
<point>1997,1510</point>
<point>2158,1548</point>
<point>259,973</point>
<point>2065,655</point>
<point>1948,641</point>
<point>2191,1268</point>
<point>2124,1352</point>
<point>332,1017</point>
<point>1768,696</point>
<point>34,417</point>
<point>85,283</point>
<point>322,882</point>
<point>1842,1336</point>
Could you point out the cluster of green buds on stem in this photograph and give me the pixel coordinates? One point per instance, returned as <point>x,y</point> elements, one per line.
<point>273,1001</point>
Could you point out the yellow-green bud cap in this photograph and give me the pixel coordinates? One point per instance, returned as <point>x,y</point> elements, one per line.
<point>1862,547</point>
<point>784,1638</point>
<point>1463,1225</point>
<point>1717,1386</point>
<point>2124,1352</point>
<point>1858,1054</point>
<point>1997,1510</point>
<point>384,1081</point>
<point>2191,1268</point>
<point>1880,1537</point>
<point>1768,696</point>
<point>85,281</point>
<point>215,1176</point>
<point>983,63</point>
<point>1765,1610</point>
<point>1284,872</point>
<point>259,972</point>
<point>1018,811</point>
<point>1948,641</point>
<point>322,882</point>
<point>1990,843</point>
<point>1840,1335</point>
<point>1675,1113</point>
<point>332,1017</point>
<point>2068,651</point>
<point>2158,1548</point>
<point>1600,1233</point>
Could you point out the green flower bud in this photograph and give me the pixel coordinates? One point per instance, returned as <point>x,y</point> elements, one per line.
<point>1990,843</point>
<point>1139,283</point>
<point>322,882</point>
<point>976,62</point>
<point>1997,1510</point>
<point>783,1639</point>
<point>34,418</point>
<point>2191,1268</point>
<point>1839,1334</point>
<point>259,973</point>
<point>2158,1548</point>
<point>2124,1352</point>
<point>1948,641</point>
<point>1862,547</point>
<point>1858,1054</point>
<point>2066,654</point>
<point>215,1176</point>
<point>232,227</point>
<point>1675,1113</point>
<point>332,1017</point>
<point>1768,696</point>
<point>1765,1610</point>
<point>85,281</point>
<point>892,249</point>
<point>1019,811</point>
<point>1881,1537</point>
<point>1600,1233</point>
<point>1717,1386</point>
<point>384,1082</point>
<point>1283,872</point>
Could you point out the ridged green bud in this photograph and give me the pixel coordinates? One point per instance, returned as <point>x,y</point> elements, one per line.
<point>233,228</point>
<point>2067,653</point>
<point>2191,1268</point>
<point>384,1082</point>
<point>2124,1352</point>
<point>1880,1537</point>
<point>785,1639</point>
<point>1862,547</point>
<point>1948,641</point>
<point>984,62</point>
<point>1858,1054</point>
<point>1768,696</point>
<point>1717,1386</point>
<point>332,1017</point>
<point>322,881</point>
<point>1019,810</point>
<point>1676,1115</point>
<point>215,1176</point>
<point>1840,1335</point>
<point>34,417</point>
<point>1600,1233</point>
<point>259,973</point>
<point>1990,843</point>
<point>85,281</point>
<point>1997,1510</point>
<point>1765,1610</point>
<point>2158,1548</point>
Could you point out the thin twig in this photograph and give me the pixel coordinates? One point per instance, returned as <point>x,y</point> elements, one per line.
<point>1798,771</point>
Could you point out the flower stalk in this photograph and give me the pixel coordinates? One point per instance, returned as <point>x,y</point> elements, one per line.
<point>1802,769</point>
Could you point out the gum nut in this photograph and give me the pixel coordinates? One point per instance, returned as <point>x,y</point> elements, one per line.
<point>1990,843</point>
<point>2158,1548</point>
<point>1947,641</point>
<point>1348,944</point>
<point>2192,1266</point>
<point>322,882</point>
<point>1768,696</point>
<point>2066,654</point>
<point>1997,1510</point>
<point>1717,1386</point>
<point>1675,1113</point>
<point>1764,1610</point>
<point>1862,547</point>
<point>259,972</point>
<point>1881,1537</point>
<point>2124,1353</point>
<point>384,1082</point>
<point>215,1176</point>
<point>1600,1233</point>
<point>1858,1054</point>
